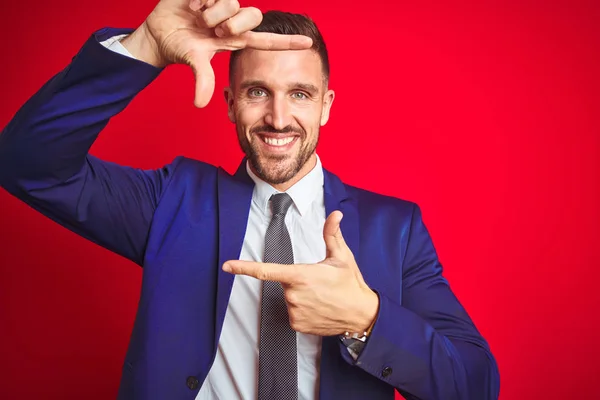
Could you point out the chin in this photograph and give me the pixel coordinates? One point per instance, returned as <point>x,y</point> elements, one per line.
<point>275,171</point>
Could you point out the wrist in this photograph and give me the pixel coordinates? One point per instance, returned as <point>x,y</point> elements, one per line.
<point>367,315</point>
<point>141,45</point>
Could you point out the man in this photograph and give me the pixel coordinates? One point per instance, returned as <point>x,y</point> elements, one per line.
<point>223,314</point>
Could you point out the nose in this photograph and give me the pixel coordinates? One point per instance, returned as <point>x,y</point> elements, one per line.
<point>278,114</point>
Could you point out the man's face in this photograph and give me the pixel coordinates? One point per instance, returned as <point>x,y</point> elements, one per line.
<point>278,101</point>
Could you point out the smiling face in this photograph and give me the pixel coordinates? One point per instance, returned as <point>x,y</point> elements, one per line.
<point>278,101</point>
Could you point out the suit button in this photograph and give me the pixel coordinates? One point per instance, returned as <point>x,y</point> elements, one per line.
<point>192,382</point>
<point>387,371</point>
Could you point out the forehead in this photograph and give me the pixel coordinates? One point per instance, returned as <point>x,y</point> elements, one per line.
<point>279,67</point>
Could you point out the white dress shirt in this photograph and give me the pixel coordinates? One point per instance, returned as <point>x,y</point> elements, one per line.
<point>234,373</point>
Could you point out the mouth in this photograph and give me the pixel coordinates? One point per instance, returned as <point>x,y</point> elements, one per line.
<point>277,143</point>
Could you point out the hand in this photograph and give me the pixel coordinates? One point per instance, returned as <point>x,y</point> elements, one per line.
<point>192,31</point>
<point>328,298</point>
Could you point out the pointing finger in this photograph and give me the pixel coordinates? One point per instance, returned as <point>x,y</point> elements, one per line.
<point>264,41</point>
<point>274,41</point>
<point>287,274</point>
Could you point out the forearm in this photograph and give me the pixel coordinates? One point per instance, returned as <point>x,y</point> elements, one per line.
<point>48,139</point>
<point>408,353</point>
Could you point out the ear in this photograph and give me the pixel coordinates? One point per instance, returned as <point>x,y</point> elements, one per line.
<point>228,93</point>
<point>328,98</point>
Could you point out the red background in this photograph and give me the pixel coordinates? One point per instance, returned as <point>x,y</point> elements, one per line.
<point>486,115</point>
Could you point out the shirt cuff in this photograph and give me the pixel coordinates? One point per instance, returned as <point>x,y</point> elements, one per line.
<point>114,44</point>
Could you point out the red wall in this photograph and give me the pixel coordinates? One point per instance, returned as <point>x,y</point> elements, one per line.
<point>486,115</point>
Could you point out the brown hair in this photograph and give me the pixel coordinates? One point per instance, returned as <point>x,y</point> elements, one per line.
<point>289,24</point>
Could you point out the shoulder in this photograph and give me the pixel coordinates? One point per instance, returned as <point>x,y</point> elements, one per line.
<point>184,172</point>
<point>184,167</point>
<point>189,165</point>
<point>373,198</point>
<point>373,204</point>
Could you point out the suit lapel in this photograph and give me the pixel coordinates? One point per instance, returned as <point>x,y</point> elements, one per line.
<point>234,198</point>
<point>332,364</point>
<point>337,198</point>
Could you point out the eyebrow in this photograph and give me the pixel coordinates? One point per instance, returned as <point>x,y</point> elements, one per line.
<point>308,87</point>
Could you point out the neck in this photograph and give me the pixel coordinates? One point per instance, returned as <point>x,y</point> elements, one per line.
<point>306,168</point>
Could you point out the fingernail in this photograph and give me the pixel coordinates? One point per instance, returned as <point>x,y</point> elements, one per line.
<point>226,267</point>
<point>219,31</point>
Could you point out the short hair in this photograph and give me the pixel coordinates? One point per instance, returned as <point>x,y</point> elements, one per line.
<point>286,23</point>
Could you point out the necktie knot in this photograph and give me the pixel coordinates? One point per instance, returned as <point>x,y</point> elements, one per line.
<point>280,203</point>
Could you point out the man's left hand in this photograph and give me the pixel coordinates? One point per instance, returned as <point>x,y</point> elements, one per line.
<point>327,298</point>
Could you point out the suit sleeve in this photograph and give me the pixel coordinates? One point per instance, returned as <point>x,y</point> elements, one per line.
<point>428,348</point>
<point>44,158</point>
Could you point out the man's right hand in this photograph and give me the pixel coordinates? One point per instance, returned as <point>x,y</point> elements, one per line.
<point>192,31</point>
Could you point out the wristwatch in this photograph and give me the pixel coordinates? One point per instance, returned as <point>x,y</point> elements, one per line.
<point>355,341</point>
<point>357,336</point>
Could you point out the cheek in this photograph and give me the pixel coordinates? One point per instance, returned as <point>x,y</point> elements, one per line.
<point>249,115</point>
<point>310,120</point>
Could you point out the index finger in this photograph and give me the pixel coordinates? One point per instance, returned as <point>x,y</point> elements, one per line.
<point>263,41</point>
<point>275,41</point>
<point>287,274</point>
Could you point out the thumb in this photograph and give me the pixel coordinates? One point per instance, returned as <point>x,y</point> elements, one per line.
<point>205,80</point>
<point>332,233</point>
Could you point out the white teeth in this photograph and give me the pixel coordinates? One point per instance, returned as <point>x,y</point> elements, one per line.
<point>277,142</point>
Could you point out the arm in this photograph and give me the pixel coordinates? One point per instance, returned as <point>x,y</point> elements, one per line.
<point>428,347</point>
<point>44,158</point>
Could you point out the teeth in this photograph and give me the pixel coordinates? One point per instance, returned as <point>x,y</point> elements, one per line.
<point>277,142</point>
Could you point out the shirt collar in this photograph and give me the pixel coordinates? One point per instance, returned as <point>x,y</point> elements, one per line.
<point>303,192</point>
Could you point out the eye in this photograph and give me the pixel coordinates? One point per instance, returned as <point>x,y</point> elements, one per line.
<point>257,92</point>
<point>299,95</point>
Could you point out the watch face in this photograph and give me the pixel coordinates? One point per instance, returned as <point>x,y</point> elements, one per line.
<point>348,342</point>
<point>354,345</point>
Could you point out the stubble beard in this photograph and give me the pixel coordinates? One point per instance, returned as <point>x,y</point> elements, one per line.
<point>286,167</point>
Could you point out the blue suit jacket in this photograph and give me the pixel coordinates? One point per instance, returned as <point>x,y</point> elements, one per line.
<point>182,221</point>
